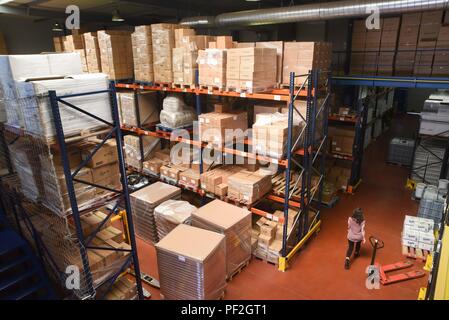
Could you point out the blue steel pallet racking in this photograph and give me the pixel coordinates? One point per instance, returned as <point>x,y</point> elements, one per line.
<point>303,161</point>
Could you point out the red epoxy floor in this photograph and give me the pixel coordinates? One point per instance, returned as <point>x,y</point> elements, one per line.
<point>317,271</point>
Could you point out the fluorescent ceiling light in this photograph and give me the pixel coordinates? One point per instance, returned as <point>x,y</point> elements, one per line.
<point>117,17</point>
<point>57,27</point>
<point>252,0</point>
<point>5,1</point>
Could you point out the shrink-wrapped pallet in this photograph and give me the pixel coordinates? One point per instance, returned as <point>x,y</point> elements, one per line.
<point>116,54</point>
<point>191,264</point>
<point>170,214</point>
<point>143,54</point>
<point>175,113</point>
<point>234,223</point>
<point>212,68</point>
<point>163,38</point>
<point>143,204</point>
<point>145,108</point>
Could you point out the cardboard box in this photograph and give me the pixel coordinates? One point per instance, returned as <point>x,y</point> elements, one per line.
<point>212,67</point>
<point>142,45</point>
<point>163,40</point>
<point>105,155</point>
<point>279,46</point>
<point>102,172</point>
<point>224,42</point>
<point>92,48</point>
<point>190,177</point>
<point>411,19</point>
<point>221,128</point>
<point>212,178</point>
<point>432,17</point>
<point>116,54</point>
<point>423,63</point>
<point>180,33</point>
<point>91,221</point>
<point>154,165</point>
<point>221,189</point>
<point>58,44</point>
<point>245,44</point>
<point>222,107</point>
<point>202,42</point>
<point>146,109</point>
<point>258,109</point>
<point>247,187</point>
<point>111,182</point>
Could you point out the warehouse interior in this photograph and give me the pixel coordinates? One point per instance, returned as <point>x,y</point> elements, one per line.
<point>180,150</point>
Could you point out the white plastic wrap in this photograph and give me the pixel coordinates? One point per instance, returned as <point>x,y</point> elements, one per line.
<point>177,119</point>
<point>173,103</point>
<point>171,213</point>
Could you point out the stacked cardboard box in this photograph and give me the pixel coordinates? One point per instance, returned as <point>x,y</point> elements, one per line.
<point>301,57</point>
<point>251,69</point>
<point>212,68</point>
<point>372,47</point>
<point>251,45</point>
<point>171,213</point>
<point>180,34</point>
<point>441,60</point>
<point>388,43</point>
<point>116,54</point>
<point>199,258</point>
<point>190,178</point>
<point>136,146</point>
<point>279,46</point>
<point>247,187</point>
<point>358,47</point>
<point>93,58</point>
<point>142,45</point>
<point>163,37</point>
<point>235,225</point>
<point>144,109</point>
<point>144,201</point>
<point>215,181</point>
<point>428,35</point>
<point>123,289</point>
<point>338,175</point>
<point>160,159</point>
<point>75,43</point>
<point>220,128</point>
<point>418,233</point>
<point>185,56</point>
<point>202,42</point>
<point>171,172</point>
<point>342,140</point>
<point>58,43</point>
<point>408,39</point>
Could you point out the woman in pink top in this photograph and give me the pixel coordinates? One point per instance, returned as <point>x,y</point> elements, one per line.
<point>356,234</point>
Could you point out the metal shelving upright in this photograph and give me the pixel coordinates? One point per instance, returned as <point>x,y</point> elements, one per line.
<point>120,197</point>
<point>308,159</point>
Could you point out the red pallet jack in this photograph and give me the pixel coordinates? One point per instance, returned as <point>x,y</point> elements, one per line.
<point>383,270</point>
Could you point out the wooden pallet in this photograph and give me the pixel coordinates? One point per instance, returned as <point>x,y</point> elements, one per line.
<point>249,90</point>
<point>239,269</point>
<point>183,86</point>
<point>163,85</point>
<point>144,83</point>
<point>188,186</point>
<point>415,253</point>
<point>240,203</point>
<point>275,263</point>
<point>168,180</point>
<point>398,164</point>
<point>212,88</point>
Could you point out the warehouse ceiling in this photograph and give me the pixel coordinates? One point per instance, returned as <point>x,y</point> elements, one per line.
<point>135,11</point>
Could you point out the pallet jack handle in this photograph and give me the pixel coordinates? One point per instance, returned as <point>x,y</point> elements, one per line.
<point>376,244</point>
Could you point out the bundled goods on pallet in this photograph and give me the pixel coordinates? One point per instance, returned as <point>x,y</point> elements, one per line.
<point>270,134</point>
<point>440,65</point>
<point>163,37</point>
<point>160,159</point>
<point>301,57</point>
<point>247,187</point>
<point>407,44</point>
<point>58,44</point>
<point>251,69</point>
<point>122,289</point>
<point>192,264</point>
<point>338,175</point>
<point>202,42</point>
<point>142,45</point>
<point>388,43</point>
<point>215,181</point>
<point>372,47</point>
<point>138,107</point>
<point>435,115</point>
<point>190,178</point>
<point>342,140</point>
<point>279,46</point>
<point>212,68</point>
<point>171,172</point>
<point>171,213</point>
<point>92,49</point>
<point>139,149</point>
<point>223,128</point>
<point>269,108</point>
<point>235,225</point>
<point>116,54</point>
<point>358,44</point>
<point>329,192</point>
<point>17,69</point>
<point>144,201</point>
<point>175,113</point>
<point>418,233</point>
<point>185,55</point>
<point>75,43</point>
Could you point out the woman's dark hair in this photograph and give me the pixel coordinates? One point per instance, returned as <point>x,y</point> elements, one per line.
<point>357,215</point>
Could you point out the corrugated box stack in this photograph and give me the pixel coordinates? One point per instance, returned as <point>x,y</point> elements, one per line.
<point>270,134</point>
<point>215,181</point>
<point>170,214</point>
<point>163,37</point>
<point>251,69</point>
<point>301,57</point>
<point>142,44</point>
<point>427,40</point>
<point>212,68</point>
<point>408,39</point>
<point>358,47</point>
<point>202,42</point>
<point>145,109</point>
<point>116,54</point>
<point>58,44</point>
<point>390,30</point>
<point>247,187</point>
<point>123,289</point>
<point>278,45</point>
<point>93,58</point>
<point>171,172</point>
<point>441,60</point>
<point>144,201</point>
<point>338,175</point>
<point>342,140</point>
<point>134,145</point>
<point>185,56</point>
<point>418,233</point>
<point>153,166</point>
<point>235,225</point>
<point>372,46</point>
<point>219,128</point>
<point>192,264</point>
<point>75,43</point>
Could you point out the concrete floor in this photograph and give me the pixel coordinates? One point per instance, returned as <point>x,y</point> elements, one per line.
<point>317,271</point>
